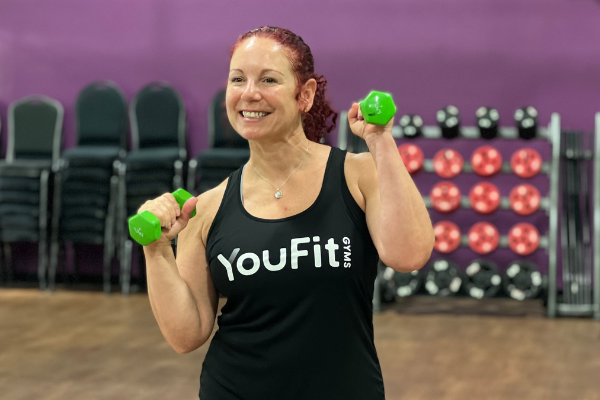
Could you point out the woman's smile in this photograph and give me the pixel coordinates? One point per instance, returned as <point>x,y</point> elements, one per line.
<point>253,116</point>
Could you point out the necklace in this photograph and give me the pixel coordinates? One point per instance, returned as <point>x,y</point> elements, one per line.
<point>278,193</point>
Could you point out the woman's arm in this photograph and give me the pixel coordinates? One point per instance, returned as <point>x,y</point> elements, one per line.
<point>181,292</point>
<point>396,215</point>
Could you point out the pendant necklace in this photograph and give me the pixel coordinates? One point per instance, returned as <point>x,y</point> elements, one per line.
<point>278,193</point>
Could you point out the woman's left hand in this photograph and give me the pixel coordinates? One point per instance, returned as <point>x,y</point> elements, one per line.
<point>363,130</point>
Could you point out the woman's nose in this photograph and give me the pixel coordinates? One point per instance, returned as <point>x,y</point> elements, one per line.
<point>251,92</point>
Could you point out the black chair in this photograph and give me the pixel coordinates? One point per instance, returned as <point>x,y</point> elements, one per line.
<point>155,164</point>
<point>34,143</point>
<point>348,140</point>
<point>227,150</point>
<point>84,208</point>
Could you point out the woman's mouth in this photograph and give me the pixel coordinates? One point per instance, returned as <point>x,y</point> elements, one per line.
<point>254,114</point>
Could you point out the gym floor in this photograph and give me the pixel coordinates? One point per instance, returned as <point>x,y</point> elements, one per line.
<point>85,345</point>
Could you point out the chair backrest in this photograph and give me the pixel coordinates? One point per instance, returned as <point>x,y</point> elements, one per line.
<point>158,118</point>
<point>220,131</point>
<point>34,128</point>
<point>348,140</point>
<point>101,115</point>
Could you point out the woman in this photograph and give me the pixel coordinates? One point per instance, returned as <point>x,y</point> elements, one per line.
<point>292,240</point>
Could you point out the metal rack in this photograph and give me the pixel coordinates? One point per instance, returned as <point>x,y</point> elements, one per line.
<point>549,204</point>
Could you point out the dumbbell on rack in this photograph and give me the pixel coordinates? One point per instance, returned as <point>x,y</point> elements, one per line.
<point>484,198</point>
<point>483,238</point>
<point>486,125</point>
<point>485,161</point>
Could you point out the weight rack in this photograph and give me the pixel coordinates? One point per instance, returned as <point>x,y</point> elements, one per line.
<point>549,204</point>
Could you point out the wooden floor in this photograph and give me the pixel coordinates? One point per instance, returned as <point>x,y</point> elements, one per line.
<point>87,346</point>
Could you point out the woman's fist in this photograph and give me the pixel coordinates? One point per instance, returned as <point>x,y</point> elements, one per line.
<point>172,219</point>
<point>363,130</point>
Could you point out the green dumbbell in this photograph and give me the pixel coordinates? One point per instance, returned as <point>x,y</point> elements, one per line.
<point>378,108</point>
<point>144,227</point>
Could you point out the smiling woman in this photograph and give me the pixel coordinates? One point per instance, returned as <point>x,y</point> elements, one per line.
<point>318,119</point>
<point>298,263</point>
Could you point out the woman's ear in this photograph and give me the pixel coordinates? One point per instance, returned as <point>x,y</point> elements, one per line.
<point>307,95</point>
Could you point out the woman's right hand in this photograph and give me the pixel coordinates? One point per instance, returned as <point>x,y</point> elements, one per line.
<point>172,219</point>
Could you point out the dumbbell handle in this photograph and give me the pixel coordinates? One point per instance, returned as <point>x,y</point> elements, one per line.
<point>145,228</point>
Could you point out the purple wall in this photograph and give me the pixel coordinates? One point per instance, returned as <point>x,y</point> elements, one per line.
<point>428,54</point>
<point>465,52</point>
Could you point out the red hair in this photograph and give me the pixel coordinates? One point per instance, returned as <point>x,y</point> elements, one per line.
<point>314,122</point>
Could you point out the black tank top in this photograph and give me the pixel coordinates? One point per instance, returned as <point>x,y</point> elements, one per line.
<point>298,321</point>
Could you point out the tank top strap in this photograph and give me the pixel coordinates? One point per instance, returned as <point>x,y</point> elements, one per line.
<point>338,185</point>
<point>229,203</point>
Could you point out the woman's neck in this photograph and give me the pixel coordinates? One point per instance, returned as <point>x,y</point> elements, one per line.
<point>276,160</point>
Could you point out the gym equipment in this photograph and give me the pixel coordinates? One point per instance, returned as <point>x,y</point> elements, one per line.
<point>526,120</point>
<point>486,161</point>
<point>398,284</point>
<point>482,279</point>
<point>447,163</point>
<point>411,125</point>
<point>524,199</point>
<point>445,196</point>
<point>448,119</point>
<point>483,238</point>
<point>378,108</point>
<point>145,228</point>
<point>447,237</point>
<point>443,278</point>
<point>526,162</point>
<point>487,120</point>
<point>523,238</point>
<point>575,229</point>
<point>484,197</point>
<point>522,280</point>
<point>412,156</point>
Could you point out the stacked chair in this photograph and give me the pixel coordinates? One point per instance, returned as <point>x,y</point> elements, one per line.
<point>226,153</point>
<point>34,144</point>
<point>85,187</point>
<point>155,164</point>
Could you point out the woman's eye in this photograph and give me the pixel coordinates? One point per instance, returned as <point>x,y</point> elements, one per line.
<point>236,79</point>
<point>270,80</point>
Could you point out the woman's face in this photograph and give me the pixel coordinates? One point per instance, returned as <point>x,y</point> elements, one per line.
<point>261,90</point>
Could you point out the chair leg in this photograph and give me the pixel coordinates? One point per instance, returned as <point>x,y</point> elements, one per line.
<point>9,267</point>
<point>106,269</point>
<point>124,242</point>
<point>178,176</point>
<point>120,213</point>
<point>191,177</point>
<point>43,225</point>
<point>2,262</point>
<point>109,234</point>
<point>126,268</point>
<point>54,242</point>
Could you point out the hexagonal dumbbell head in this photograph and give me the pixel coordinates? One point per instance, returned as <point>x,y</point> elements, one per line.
<point>378,108</point>
<point>181,196</point>
<point>144,228</point>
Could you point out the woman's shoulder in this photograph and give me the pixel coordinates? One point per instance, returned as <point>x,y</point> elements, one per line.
<point>361,175</point>
<point>359,165</point>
